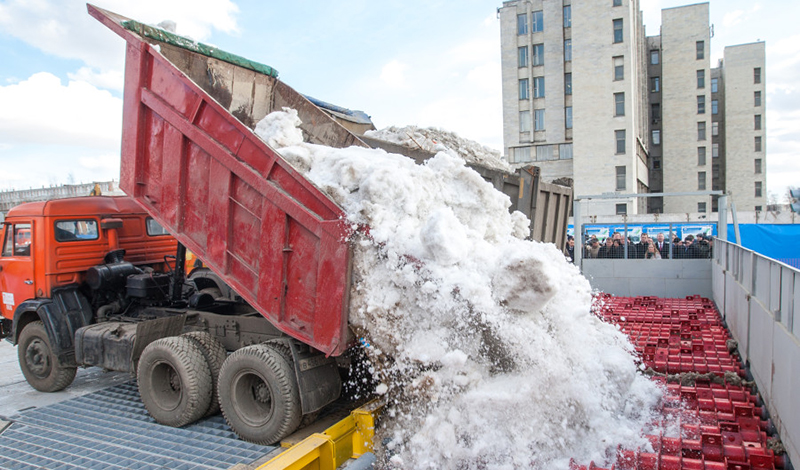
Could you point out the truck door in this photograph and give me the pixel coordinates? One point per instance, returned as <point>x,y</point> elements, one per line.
<point>16,266</point>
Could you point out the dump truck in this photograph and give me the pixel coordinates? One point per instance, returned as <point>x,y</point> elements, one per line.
<point>260,331</point>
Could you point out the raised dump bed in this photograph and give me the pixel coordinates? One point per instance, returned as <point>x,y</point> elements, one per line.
<point>190,158</point>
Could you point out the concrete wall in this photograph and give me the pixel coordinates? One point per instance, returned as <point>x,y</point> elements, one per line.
<point>662,278</point>
<point>760,298</point>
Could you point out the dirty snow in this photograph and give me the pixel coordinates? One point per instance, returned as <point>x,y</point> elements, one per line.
<point>436,140</point>
<point>483,342</point>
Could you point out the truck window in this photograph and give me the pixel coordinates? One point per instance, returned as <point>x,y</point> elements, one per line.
<point>18,240</point>
<point>76,230</point>
<point>154,228</point>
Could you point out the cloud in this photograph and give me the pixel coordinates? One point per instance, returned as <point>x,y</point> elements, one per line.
<point>732,18</point>
<point>393,74</point>
<point>64,29</point>
<point>111,80</point>
<point>41,110</point>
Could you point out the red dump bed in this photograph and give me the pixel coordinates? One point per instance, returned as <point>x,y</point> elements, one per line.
<point>227,196</point>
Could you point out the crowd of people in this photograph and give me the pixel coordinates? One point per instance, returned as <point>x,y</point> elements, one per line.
<point>614,247</point>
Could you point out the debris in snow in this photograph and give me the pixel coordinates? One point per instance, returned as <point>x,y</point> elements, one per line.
<point>483,342</point>
<point>436,140</point>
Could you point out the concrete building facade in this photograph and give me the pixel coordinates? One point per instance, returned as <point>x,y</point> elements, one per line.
<point>588,96</point>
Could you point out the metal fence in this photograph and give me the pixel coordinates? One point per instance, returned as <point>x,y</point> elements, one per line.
<point>672,241</point>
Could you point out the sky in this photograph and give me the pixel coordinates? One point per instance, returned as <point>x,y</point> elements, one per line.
<point>411,62</point>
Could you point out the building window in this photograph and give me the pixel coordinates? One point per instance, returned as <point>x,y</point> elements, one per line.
<point>655,84</point>
<point>619,104</point>
<point>758,166</point>
<point>714,106</point>
<point>544,152</point>
<point>524,121</point>
<point>757,122</point>
<point>757,75</point>
<point>701,131</point>
<point>701,156</point>
<point>758,143</point>
<point>538,54</point>
<point>656,136</point>
<point>618,30</point>
<point>620,136</point>
<point>622,209</point>
<point>714,125</point>
<point>714,85</point>
<point>758,208</point>
<point>522,56</point>
<point>538,119</point>
<point>656,163</point>
<point>565,152</point>
<point>567,50</point>
<point>758,188</point>
<point>654,57</point>
<point>757,98</point>
<point>522,24</point>
<point>655,112</point>
<point>715,171</point>
<point>701,104</point>
<point>523,89</point>
<point>522,154</point>
<point>568,16</point>
<point>701,50</point>
<point>568,117</point>
<point>701,207</point>
<point>620,178</point>
<point>617,3</point>
<point>619,68</point>
<point>537,22</point>
<point>538,87</point>
<point>701,180</point>
<point>567,83</point>
<point>701,79</point>
<point>715,150</point>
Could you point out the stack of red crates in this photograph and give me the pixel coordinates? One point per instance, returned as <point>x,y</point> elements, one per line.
<point>707,425</point>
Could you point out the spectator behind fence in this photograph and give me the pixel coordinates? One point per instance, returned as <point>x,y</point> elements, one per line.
<point>662,246</point>
<point>703,248</point>
<point>617,250</point>
<point>569,250</point>
<point>689,250</point>
<point>652,253</point>
<point>593,249</point>
<point>605,250</point>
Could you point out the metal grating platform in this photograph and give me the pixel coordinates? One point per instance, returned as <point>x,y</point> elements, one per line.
<point>111,429</point>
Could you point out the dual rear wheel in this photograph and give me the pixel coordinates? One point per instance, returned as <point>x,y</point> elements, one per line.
<point>184,378</point>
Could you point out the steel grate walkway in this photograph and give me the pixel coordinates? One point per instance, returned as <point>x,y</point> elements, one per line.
<point>111,429</point>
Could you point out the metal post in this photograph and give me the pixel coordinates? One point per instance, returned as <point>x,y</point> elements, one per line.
<point>625,240</point>
<point>722,224</point>
<point>735,224</point>
<point>671,243</point>
<point>577,231</point>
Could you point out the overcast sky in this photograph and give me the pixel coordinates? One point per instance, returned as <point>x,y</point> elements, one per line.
<point>421,62</point>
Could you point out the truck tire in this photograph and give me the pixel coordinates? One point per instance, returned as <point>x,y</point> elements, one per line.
<point>174,381</point>
<point>258,395</point>
<point>39,365</point>
<point>215,355</point>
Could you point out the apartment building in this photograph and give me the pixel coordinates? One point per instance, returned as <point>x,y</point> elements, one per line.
<point>587,96</point>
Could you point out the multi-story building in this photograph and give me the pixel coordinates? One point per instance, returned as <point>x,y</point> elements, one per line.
<point>587,96</point>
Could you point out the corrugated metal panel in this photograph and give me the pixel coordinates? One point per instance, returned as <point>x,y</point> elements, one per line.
<point>111,429</point>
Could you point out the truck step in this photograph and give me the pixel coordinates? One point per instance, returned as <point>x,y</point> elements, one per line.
<point>111,429</point>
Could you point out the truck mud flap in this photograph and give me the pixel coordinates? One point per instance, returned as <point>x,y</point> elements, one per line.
<point>317,377</point>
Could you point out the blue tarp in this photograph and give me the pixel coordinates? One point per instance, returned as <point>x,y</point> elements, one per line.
<point>777,241</point>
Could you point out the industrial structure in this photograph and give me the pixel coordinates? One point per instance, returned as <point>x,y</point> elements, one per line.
<point>588,96</point>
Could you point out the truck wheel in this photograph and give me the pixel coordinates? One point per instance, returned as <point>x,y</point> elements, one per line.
<point>215,355</point>
<point>39,365</point>
<point>174,381</point>
<point>258,394</point>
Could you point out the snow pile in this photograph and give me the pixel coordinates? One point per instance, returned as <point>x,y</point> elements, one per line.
<point>436,140</point>
<point>484,342</point>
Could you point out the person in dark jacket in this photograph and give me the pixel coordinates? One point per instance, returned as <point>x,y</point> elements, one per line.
<point>662,246</point>
<point>606,250</point>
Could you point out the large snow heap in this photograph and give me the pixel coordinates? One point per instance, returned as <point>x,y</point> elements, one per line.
<point>483,341</point>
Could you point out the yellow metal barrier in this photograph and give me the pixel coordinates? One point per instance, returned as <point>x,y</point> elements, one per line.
<point>349,438</point>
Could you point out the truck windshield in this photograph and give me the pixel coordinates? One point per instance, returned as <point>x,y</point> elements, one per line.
<point>75,230</point>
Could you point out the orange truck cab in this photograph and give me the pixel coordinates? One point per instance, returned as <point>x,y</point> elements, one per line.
<point>96,281</point>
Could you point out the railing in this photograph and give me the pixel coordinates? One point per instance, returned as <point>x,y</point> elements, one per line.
<point>759,298</point>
